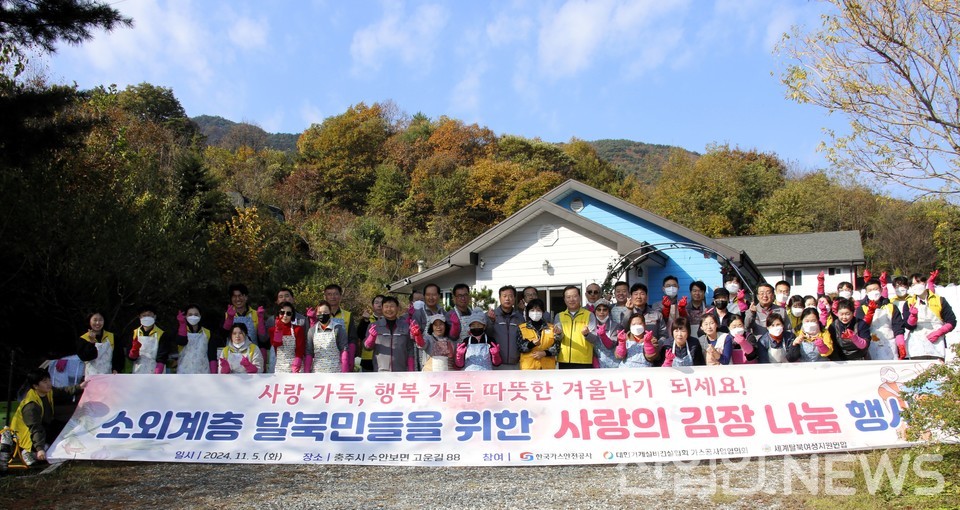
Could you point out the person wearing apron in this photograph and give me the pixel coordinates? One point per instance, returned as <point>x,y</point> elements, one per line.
<point>148,348</point>
<point>746,350</point>
<point>716,345</point>
<point>538,348</point>
<point>601,330</point>
<point>885,322</point>
<point>98,350</point>
<point>772,345</point>
<point>929,320</point>
<point>198,354</point>
<point>327,342</point>
<point>682,353</point>
<point>636,348</point>
<point>812,342</point>
<point>850,335</point>
<point>389,338</point>
<point>238,311</point>
<point>440,354</point>
<point>477,352</point>
<point>240,355</point>
<point>288,342</point>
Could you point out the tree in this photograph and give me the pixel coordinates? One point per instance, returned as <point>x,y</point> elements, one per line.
<point>43,23</point>
<point>891,67</point>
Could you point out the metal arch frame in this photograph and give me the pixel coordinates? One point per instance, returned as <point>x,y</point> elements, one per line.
<point>625,263</point>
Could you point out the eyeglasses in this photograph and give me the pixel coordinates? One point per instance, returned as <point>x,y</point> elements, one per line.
<point>593,292</point>
<point>286,313</point>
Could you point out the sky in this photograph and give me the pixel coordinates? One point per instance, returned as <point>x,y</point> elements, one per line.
<point>689,73</point>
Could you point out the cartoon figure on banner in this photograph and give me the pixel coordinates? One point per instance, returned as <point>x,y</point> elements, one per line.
<point>890,389</point>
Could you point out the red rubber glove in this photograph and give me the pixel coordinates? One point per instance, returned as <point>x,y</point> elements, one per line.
<point>665,302</point>
<point>866,276</point>
<point>820,279</point>
<point>224,366</point>
<point>248,366</point>
<point>901,347</point>
<point>883,283</point>
<point>682,307</point>
<point>61,365</point>
<point>847,334</point>
<point>135,349</point>
<point>932,281</point>
<point>261,322</point>
<point>416,334</point>
<point>871,310</point>
<point>371,339</point>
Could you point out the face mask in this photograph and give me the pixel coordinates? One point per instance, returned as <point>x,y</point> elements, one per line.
<point>736,331</point>
<point>636,329</point>
<point>720,304</point>
<point>147,321</point>
<point>193,320</point>
<point>418,305</point>
<point>775,330</point>
<point>901,291</point>
<point>477,332</point>
<point>845,294</point>
<point>670,291</point>
<point>797,312</point>
<point>810,328</point>
<point>535,316</point>
<point>732,288</point>
<point>781,298</point>
<point>324,318</point>
<point>873,295</point>
<point>917,289</point>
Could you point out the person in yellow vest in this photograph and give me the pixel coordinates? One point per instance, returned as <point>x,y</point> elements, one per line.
<point>33,421</point>
<point>929,319</point>
<point>333,294</point>
<point>576,351</point>
<point>240,311</point>
<point>538,348</point>
<point>240,355</point>
<point>97,348</point>
<point>148,347</point>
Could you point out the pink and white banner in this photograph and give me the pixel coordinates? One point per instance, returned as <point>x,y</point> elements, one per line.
<point>491,418</point>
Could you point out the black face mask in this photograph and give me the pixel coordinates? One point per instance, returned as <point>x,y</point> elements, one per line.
<point>477,331</point>
<point>324,318</point>
<point>719,303</point>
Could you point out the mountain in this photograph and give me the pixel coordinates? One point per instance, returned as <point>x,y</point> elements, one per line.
<point>643,159</point>
<point>217,129</point>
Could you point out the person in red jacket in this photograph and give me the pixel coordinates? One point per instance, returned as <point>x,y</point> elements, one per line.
<point>288,342</point>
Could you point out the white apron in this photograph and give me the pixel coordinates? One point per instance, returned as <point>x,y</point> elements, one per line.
<point>103,363</point>
<point>284,354</point>
<point>478,357</point>
<point>776,354</point>
<point>148,353</point>
<point>686,361</point>
<point>883,343</point>
<point>193,356</point>
<point>326,355</point>
<point>635,357</point>
<point>927,322</point>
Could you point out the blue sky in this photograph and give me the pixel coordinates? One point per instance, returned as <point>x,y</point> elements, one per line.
<point>678,72</point>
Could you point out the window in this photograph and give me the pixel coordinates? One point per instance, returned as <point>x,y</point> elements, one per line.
<point>795,276</point>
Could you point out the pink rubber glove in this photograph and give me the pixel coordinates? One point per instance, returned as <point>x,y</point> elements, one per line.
<point>158,368</point>
<point>648,348</point>
<point>668,358</point>
<point>682,307</point>
<point>248,366</point>
<point>296,366</point>
<point>912,319</point>
<point>820,279</point>
<point>231,313</point>
<point>454,325</point>
<point>602,334</point>
<point>742,301</point>
<point>932,281</point>
<point>934,336</point>
<point>308,364</point>
<point>371,339</point>
<point>821,346</point>
<point>745,346</point>
<point>213,367</point>
<point>495,354</point>
<point>61,365</point>
<point>835,306</point>
<point>901,347</point>
<point>261,322</point>
<point>621,351</point>
<point>822,306</point>
<point>416,334</point>
<point>224,366</point>
<point>346,362</point>
<point>411,365</point>
<point>277,339</point>
<point>352,349</point>
<point>851,337</point>
<point>311,316</point>
<point>182,324</point>
<point>461,354</point>
<point>883,283</point>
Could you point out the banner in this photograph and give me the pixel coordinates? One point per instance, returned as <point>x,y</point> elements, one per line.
<point>491,418</point>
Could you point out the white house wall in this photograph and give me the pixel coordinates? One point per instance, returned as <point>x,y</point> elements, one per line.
<point>808,286</point>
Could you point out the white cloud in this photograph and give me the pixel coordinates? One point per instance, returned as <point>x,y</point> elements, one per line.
<point>507,29</point>
<point>248,33</point>
<point>411,38</point>
<point>465,97</point>
<point>310,113</point>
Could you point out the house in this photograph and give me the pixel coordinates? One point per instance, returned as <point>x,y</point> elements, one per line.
<point>577,235</point>
<point>798,258</point>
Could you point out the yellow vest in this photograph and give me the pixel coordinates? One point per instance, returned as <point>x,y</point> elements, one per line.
<point>107,337</point>
<point>527,361</point>
<point>574,347</point>
<point>933,302</point>
<point>21,428</point>
<point>206,333</point>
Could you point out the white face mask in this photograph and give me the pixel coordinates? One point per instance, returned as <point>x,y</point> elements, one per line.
<point>797,312</point>
<point>775,330</point>
<point>810,328</point>
<point>873,295</point>
<point>782,298</point>
<point>418,305</point>
<point>901,291</point>
<point>732,288</point>
<point>917,289</point>
<point>147,321</point>
<point>736,331</point>
<point>670,291</point>
<point>845,294</point>
<point>636,329</point>
<point>193,320</point>
<point>536,315</point>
